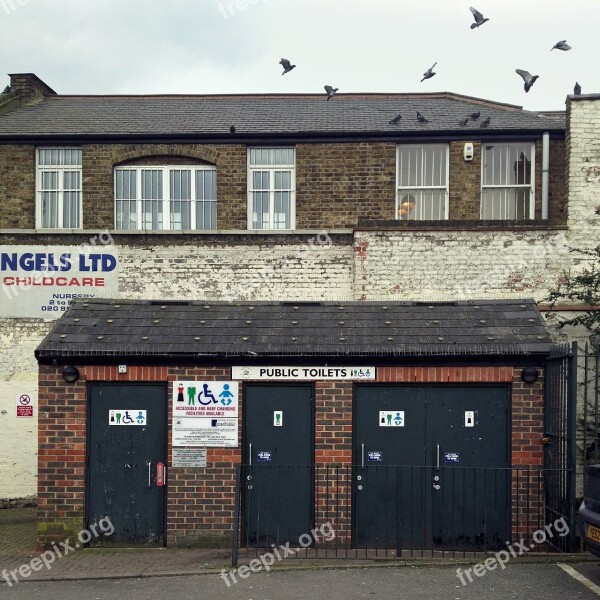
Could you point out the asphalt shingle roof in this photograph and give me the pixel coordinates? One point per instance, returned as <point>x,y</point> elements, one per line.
<point>124,328</point>
<point>265,115</point>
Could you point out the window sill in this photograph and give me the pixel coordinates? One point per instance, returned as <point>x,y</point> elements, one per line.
<point>396,225</point>
<point>161,232</point>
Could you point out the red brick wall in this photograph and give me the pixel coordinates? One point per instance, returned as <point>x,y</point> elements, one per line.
<point>200,502</point>
<point>527,456</point>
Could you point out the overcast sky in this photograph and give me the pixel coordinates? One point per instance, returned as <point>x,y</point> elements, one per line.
<point>234,46</point>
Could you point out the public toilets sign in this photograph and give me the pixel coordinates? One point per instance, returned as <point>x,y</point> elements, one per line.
<point>41,281</point>
<point>304,373</point>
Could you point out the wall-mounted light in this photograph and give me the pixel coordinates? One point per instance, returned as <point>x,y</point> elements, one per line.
<point>529,374</point>
<point>70,374</point>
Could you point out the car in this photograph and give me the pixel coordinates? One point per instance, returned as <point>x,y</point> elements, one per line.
<point>589,511</point>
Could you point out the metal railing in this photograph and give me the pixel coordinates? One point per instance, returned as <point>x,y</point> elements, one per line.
<point>395,512</point>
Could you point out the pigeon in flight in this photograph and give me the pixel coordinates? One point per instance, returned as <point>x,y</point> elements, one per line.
<point>421,118</point>
<point>463,122</point>
<point>330,91</point>
<point>528,78</point>
<point>475,115</point>
<point>485,122</point>
<point>479,18</point>
<point>396,119</point>
<point>577,89</point>
<point>562,45</point>
<point>287,66</point>
<point>429,73</point>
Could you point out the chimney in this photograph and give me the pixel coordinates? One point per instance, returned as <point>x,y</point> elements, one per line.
<point>29,86</point>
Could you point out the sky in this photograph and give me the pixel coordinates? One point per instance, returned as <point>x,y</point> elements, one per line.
<point>234,46</point>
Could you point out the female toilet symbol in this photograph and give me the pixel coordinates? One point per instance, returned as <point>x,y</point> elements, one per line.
<point>180,393</point>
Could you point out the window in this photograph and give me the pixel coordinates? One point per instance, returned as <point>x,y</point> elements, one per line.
<point>507,190</point>
<point>173,198</point>
<point>422,182</point>
<point>58,188</point>
<point>271,188</point>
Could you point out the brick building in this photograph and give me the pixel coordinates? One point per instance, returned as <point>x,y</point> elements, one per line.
<point>274,198</point>
<point>371,386</point>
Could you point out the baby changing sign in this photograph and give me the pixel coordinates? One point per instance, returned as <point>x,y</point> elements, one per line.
<point>205,399</point>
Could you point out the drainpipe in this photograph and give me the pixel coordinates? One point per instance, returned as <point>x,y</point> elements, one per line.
<point>545,167</point>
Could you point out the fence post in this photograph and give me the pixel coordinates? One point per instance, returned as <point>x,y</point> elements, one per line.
<point>236,516</point>
<point>571,435</point>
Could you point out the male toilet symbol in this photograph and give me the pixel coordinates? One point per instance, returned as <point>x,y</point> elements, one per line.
<point>191,392</point>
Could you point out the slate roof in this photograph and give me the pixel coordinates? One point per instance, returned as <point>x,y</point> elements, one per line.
<point>210,117</point>
<point>125,328</point>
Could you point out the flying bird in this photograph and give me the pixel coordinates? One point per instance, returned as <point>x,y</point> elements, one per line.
<point>475,115</point>
<point>528,78</point>
<point>485,122</point>
<point>429,73</point>
<point>479,18</point>
<point>463,122</point>
<point>330,91</point>
<point>421,118</point>
<point>562,45</point>
<point>232,129</point>
<point>396,119</point>
<point>287,66</point>
<point>577,89</point>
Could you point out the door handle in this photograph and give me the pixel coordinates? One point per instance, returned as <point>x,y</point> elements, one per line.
<point>437,458</point>
<point>149,475</point>
<point>362,456</point>
<point>250,455</point>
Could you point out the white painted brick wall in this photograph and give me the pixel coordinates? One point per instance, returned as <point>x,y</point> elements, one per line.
<point>584,173</point>
<point>18,436</point>
<point>244,272</point>
<point>458,265</point>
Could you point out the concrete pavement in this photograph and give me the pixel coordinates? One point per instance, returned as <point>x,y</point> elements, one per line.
<point>21,560</point>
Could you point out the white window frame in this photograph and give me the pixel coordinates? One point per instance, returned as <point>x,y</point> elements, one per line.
<point>61,169</point>
<point>415,190</point>
<point>166,196</point>
<point>272,169</point>
<point>525,186</point>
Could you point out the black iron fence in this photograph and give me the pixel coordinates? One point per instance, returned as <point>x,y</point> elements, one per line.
<point>588,418</point>
<point>560,407</point>
<point>396,512</point>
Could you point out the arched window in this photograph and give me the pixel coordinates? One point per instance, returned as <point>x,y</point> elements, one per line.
<point>166,197</point>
